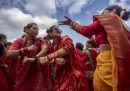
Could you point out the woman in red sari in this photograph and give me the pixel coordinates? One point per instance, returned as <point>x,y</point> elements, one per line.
<point>69,76</point>
<point>112,70</point>
<point>90,62</point>
<point>87,60</point>
<point>29,76</point>
<point>3,81</point>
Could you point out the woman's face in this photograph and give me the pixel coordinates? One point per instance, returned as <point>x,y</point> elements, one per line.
<point>33,31</point>
<point>3,41</point>
<point>88,45</point>
<point>54,34</point>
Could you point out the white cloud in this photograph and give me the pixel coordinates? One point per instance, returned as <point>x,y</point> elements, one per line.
<point>73,6</point>
<point>122,3</point>
<point>13,20</point>
<point>41,7</point>
<point>76,7</point>
<point>64,3</point>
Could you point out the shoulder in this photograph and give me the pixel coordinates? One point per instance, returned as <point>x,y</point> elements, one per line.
<point>66,37</point>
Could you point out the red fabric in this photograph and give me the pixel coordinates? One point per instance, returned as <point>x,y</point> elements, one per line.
<point>32,76</point>
<point>95,29</point>
<point>121,45</point>
<point>66,78</point>
<point>81,56</point>
<point>3,81</point>
<point>94,56</point>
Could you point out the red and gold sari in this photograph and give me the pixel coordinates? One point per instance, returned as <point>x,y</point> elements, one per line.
<point>3,81</point>
<point>32,76</point>
<point>119,53</point>
<point>69,76</point>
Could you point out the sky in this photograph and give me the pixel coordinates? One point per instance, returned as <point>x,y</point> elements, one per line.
<point>15,14</point>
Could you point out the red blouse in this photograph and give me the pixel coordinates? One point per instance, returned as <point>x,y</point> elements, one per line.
<point>95,29</point>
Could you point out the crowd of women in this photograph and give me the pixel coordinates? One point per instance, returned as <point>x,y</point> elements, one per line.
<point>32,63</point>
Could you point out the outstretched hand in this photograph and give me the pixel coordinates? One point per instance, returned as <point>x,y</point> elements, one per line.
<point>67,21</point>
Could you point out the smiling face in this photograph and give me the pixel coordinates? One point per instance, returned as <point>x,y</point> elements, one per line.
<point>54,32</point>
<point>32,30</point>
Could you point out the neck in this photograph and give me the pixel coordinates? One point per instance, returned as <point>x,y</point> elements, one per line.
<point>56,41</point>
<point>30,38</point>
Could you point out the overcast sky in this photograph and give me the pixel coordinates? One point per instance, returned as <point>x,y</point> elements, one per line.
<point>15,14</point>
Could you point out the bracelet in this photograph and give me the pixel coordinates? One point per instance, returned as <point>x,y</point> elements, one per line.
<point>36,59</point>
<point>25,50</point>
<point>72,25</point>
<point>21,54</point>
<point>48,58</point>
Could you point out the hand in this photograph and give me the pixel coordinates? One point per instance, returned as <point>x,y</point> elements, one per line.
<point>32,47</point>
<point>5,65</point>
<point>43,60</point>
<point>60,61</point>
<point>28,60</point>
<point>67,21</point>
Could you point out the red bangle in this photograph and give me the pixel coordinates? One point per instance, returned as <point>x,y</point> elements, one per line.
<point>48,58</point>
<point>25,50</point>
<point>21,54</point>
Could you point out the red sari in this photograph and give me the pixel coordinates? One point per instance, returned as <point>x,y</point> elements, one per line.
<point>69,77</point>
<point>83,58</point>
<point>32,76</point>
<point>108,29</point>
<point>120,43</point>
<point>3,81</point>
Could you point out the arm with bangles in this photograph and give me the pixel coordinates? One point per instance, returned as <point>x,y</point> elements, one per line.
<point>86,31</point>
<point>89,30</point>
<point>43,52</point>
<point>20,52</point>
<point>53,56</point>
<point>56,56</point>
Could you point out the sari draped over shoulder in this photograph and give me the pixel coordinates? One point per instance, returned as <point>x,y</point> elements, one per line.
<point>69,77</point>
<point>118,37</point>
<point>3,80</point>
<point>32,76</point>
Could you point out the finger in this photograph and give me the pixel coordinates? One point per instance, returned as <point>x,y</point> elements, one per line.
<point>67,18</point>
<point>60,22</point>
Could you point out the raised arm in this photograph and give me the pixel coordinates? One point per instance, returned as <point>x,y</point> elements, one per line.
<point>86,31</point>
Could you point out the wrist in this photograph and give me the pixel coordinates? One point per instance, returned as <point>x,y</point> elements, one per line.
<point>35,59</point>
<point>73,24</point>
<point>48,57</point>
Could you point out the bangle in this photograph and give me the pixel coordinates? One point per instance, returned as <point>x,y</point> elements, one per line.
<point>48,58</point>
<point>25,50</point>
<point>21,54</point>
<point>72,24</point>
<point>36,59</point>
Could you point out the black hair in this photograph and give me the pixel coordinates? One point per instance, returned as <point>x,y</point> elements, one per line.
<point>54,27</point>
<point>28,26</point>
<point>2,36</point>
<point>118,11</point>
<point>92,43</point>
<point>79,46</point>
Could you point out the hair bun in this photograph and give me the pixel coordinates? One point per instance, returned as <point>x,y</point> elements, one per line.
<point>126,15</point>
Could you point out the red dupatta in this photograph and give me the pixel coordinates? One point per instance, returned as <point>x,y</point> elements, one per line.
<point>121,46</point>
